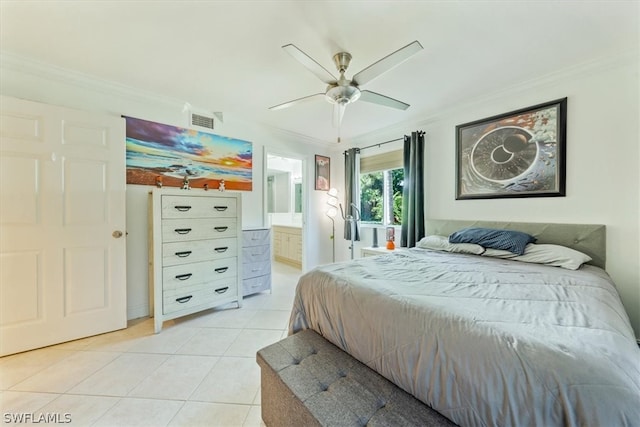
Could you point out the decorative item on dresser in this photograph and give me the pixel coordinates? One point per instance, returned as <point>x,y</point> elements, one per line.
<point>194,243</point>
<point>256,260</point>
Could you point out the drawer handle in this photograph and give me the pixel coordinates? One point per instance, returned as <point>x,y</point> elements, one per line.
<point>184,276</point>
<point>182,300</point>
<point>182,208</point>
<point>221,269</point>
<point>222,290</point>
<point>182,230</point>
<point>183,254</point>
<point>221,229</point>
<point>221,249</point>
<point>220,208</point>
<point>253,270</point>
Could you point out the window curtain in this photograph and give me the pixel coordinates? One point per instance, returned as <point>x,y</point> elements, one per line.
<point>413,190</point>
<point>351,189</point>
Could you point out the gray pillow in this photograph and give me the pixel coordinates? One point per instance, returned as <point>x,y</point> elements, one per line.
<point>508,240</point>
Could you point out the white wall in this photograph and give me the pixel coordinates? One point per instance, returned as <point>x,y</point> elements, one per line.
<point>603,162</point>
<point>38,82</point>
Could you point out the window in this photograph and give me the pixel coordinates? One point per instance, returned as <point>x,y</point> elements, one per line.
<point>381,180</point>
<point>381,197</point>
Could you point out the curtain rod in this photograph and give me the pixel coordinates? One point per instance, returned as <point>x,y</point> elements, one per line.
<point>386,142</point>
<point>376,145</point>
<point>382,143</point>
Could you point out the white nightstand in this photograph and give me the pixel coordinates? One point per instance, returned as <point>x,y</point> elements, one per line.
<point>379,251</point>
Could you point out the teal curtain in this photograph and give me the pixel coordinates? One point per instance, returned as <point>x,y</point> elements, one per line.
<point>413,190</point>
<point>351,189</point>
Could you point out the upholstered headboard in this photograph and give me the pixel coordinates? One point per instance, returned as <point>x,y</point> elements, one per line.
<point>587,238</point>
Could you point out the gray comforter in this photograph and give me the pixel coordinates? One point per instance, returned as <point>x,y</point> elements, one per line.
<point>486,342</point>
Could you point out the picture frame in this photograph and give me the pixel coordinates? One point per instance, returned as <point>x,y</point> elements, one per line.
<point>323,172</point>
<point>172,156</point>
<point>521,153</point>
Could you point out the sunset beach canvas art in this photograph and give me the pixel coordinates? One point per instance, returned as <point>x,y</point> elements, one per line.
<point>159,153</point>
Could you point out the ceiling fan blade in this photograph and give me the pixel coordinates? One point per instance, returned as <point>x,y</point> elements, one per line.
<point>338,114</point>
<point>310,64</point>
<point>295,101</point>
<point>376,98</point>
<point>387,63</point>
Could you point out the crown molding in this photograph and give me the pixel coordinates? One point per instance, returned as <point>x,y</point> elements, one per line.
<point>47,71</point>
<point>296,137</point>
<point>22,64</point>
<point>583,69</point>
<point>51,72</point>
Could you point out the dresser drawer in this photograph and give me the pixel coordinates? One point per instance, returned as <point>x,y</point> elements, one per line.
<point>199,295</point>
<point>256,269</point>
<point>181,276</point>
<point>256,284</point>
<point>199,250</point>
<point>180,230</point>
<point>198,207</point>
<point>256,254</point>
<point>256,237</point>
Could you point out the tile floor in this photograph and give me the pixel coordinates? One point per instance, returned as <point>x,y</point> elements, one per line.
<point>200,370</point>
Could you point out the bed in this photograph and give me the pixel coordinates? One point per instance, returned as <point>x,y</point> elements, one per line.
<point>486,341</point>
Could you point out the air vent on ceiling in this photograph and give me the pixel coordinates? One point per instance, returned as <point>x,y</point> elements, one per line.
<point>202,121</point>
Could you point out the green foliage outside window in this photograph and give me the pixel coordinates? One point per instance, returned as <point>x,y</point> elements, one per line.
<point>397,181</point>
<point>372,197</point>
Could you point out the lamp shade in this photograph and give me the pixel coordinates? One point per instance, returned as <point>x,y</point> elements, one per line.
<point>332,212</point>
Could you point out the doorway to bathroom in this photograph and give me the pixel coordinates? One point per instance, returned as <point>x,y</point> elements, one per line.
<point>285,202</point>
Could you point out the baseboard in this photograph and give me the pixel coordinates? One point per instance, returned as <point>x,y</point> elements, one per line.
<point>137,311</point>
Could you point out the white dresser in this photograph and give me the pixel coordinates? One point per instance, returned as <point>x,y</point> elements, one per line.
<point>195,238</point>
<point>256,260</point>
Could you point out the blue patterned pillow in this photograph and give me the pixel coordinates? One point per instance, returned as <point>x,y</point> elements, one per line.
<point>508,240</point>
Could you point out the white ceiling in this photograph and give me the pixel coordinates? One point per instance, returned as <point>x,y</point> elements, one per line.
<point>226,55</point>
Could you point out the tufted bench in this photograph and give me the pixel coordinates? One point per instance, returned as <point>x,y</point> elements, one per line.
<point>307,381</point>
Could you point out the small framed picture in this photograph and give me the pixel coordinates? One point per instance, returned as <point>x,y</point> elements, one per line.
<point>323,173</point>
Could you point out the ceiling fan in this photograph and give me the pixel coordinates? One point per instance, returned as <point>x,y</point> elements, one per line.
<point>343,91</point>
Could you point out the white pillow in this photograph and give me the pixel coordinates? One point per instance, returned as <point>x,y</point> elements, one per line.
<point>441,243</point>
<point>500,253</point>
<point>555,255</point>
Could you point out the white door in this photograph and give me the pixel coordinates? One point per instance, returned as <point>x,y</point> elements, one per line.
<point>62,224</point>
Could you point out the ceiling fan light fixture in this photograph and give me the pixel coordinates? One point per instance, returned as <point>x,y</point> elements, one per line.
<point>342,94</point>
